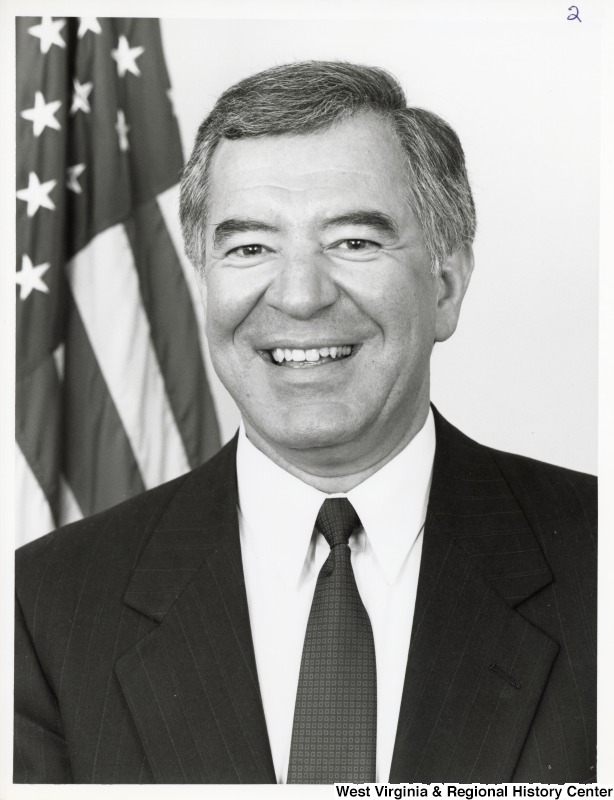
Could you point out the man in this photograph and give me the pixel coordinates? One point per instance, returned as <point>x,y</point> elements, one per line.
<point>218,629</point>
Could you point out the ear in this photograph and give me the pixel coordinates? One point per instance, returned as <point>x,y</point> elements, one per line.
<point>452,284</point>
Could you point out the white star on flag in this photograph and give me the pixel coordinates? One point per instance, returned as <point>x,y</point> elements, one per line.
<point>37,194</point>
<point>72,178</point>
<point>48,32</point>
<point>122,129</point>
<point>80,95</point>
<point>126,57</point>
<point>31,278</point>
<point>42,115</point>
<point>88,24</point>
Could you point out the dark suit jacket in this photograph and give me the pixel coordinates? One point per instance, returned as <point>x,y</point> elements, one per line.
<point>135,660</point>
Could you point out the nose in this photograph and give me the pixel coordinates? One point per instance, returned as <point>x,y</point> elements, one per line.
<point>302,287</point>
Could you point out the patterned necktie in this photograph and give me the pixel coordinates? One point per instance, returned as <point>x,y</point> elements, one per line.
<point>335,718</point>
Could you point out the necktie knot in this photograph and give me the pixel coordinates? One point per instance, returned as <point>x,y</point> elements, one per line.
<point>337,520</point>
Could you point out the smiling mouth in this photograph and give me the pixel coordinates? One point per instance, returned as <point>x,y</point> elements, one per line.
<point>309,357</point>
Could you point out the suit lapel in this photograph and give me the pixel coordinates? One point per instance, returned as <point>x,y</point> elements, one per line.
<point>476,668</point>
<point>191,684</point>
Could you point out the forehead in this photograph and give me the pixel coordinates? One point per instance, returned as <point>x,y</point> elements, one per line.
<point>358,157</point>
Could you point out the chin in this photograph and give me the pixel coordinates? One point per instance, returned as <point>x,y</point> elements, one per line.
<point>306,431</point>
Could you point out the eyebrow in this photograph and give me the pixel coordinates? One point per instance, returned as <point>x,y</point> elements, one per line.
<point>370,219</point>
<point>229,227</point>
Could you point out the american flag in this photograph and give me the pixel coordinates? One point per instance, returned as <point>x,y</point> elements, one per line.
<point>111,392</point>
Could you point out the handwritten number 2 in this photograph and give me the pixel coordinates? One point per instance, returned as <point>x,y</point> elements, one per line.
<point>575,15</point>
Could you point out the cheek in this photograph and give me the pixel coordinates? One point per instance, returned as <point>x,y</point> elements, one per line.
<point>231,296</point>
<point>404,307</point>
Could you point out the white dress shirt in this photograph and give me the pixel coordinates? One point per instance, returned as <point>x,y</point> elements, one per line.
<point>282,557</point>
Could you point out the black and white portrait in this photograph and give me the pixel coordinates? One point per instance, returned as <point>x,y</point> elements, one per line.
<point>307,360</point>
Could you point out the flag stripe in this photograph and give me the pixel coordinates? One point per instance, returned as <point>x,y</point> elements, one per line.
<point>106,289</point>
<point>69,507</point>
<point>174,332</point>
<point>168,202</point>
<point>33,518</point>
<point>98,462</point>
<point>38,426</point>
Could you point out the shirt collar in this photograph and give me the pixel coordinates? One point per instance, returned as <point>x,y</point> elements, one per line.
<point>280,510</point>
<point>392,502</point>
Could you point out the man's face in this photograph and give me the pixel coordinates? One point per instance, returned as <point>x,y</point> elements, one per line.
<point>321,306</point>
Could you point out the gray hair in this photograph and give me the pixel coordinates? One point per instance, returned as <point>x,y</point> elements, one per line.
<point>310,96</point>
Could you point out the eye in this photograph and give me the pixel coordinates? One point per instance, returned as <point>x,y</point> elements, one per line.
<point>248,251</point>
<point>356,244</point>
<point>354,248</point>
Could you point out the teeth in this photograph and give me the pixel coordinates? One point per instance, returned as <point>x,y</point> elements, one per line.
<point>313,354</point>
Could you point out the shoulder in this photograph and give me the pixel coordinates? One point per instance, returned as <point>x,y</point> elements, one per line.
<point>557,506</point>
<point>548,489</point>
<point>111,541</point>
<point>113,538</point>
<point>553,499</point>
<point>538,480</point>
<point>560,505</point>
